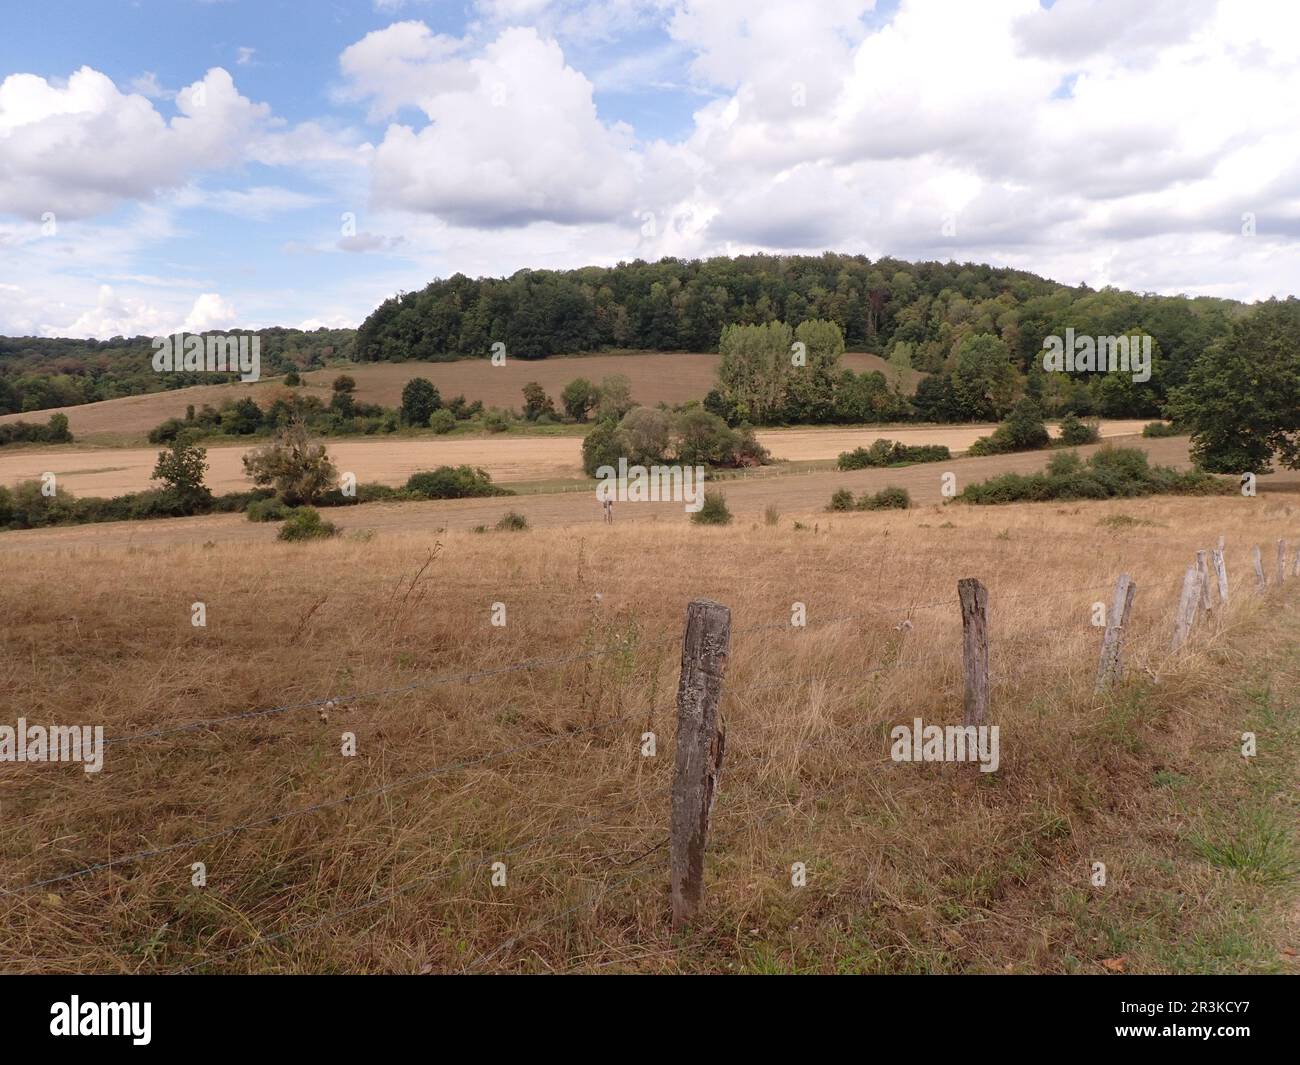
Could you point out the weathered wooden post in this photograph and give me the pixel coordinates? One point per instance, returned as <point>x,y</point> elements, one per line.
<point>1221,572</point>
<point>1187,603</point>
<point>1295,564</point>
<point>1111,668</point>
<point>701,738</point>
<point>1281,561</point>
<point>1260,581</point>
<point>1203,573</point>
<point>974,599</point>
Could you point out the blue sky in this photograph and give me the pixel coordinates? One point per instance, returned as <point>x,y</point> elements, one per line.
<point>220,163</point>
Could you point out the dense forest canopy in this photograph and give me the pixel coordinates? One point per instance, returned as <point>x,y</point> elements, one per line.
<point>683,305</point>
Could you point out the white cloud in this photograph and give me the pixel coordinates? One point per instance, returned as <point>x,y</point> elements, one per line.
<point>513,135</point>
<point>84,147</point>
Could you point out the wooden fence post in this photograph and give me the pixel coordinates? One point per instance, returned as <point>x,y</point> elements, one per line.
<point>974,599</point>
<point>701,738</point>
<point>1111,668</point>
<point>1260,581</point>
<point>1187,604</point>
<point>1203,572</point>
<point>1220,571</point>
<point>1295,565</point>
<point>1281,561</point>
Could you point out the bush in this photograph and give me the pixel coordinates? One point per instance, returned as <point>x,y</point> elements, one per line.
<point>1075,431</point>
<point>512,521</point>
<point>268,510</point>
<point>55,431</point>
<point>842,499</point>
<point>1160,429</point>
<point>298,470</point>
<point>453,482</point>
<point>891,453</point>
<point>886,499</point>
<point>442,421</point>
<point>496,421</point>
<point>1110,473</point>
<point>1022,431</point>
<point>714,510</point>
<point>305,523</point>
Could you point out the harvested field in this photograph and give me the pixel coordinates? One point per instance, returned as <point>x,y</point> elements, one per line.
<point>509,458</point>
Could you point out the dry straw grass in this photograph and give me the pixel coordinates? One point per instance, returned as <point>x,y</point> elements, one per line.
<point>911,867</point>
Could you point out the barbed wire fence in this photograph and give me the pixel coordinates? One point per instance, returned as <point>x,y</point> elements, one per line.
<point>700,742</point>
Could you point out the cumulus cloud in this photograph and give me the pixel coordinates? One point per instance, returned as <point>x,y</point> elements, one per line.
<point>82,148</point>
<point>513,135</point>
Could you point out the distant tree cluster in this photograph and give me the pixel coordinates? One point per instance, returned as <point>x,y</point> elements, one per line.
<point>37,373</point>
<point>921,316</point>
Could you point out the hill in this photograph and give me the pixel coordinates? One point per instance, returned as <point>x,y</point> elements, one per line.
<point>657,377</point>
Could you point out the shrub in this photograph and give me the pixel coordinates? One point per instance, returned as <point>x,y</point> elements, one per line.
<point>1160,429</point>
<point>1063,463</point>
<point>512,521</point>
<point>453,482</point>
<point>771,516</point>
<point>1022,431</point>
<point>267,510</point>
<point>55,431</point>
<point>886,499</point>
<point>842,499</point>
<point>305,523</point>
<point>298,470</point>
<point>496,421</point>
<point>891,453</point>
<point>1075,431</point>
<point>714,510</point>
<point>442,421</point>
<point>890,498</point>
<point>293,379</point>
<point>1110,473</point>
<point>603,446</point>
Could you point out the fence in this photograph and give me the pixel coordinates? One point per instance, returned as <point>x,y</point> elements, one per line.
<point>701,748</point>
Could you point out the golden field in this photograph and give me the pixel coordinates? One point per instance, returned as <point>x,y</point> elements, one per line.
<point>509,458</point>
<point>911,868</point>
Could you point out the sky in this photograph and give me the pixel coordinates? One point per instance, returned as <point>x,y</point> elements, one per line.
<point>214,164</point>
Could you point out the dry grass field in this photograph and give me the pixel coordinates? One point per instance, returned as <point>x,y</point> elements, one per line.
<point>382,862</point>
<point>510,459</point>
<point>657,377</point>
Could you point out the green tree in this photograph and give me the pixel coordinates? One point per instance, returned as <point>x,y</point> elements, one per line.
<point>181,468</point>
<point>419,400</point>
<point>579,397</point>
<point>536,401</point>
<point>983,379</point>
<point>1241,401</point>
<point>615,396</point>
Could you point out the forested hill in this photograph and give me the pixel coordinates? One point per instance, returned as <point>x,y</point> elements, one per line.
<point>41,372</point>
<point>683,305</point>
